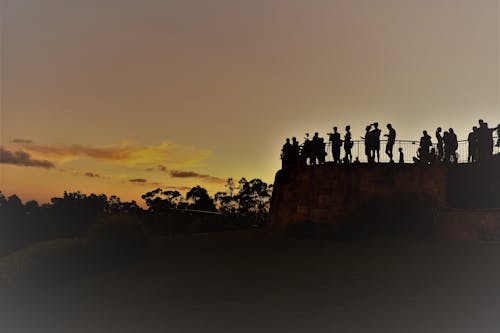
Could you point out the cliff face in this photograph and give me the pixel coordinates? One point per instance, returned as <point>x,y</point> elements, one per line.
<point>333,193</point>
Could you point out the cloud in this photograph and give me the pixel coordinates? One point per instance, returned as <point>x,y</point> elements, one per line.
<point>184,174</point>
<point>22,158</point>
<point>170,187</point>
<point>138,180</point>
<point>160,167</point>
<point>23,141</point>
<point>178,188</point>
<point>79,172</point>
<point>166,152</point>
<point>193,174</point>
<point>92,174</point>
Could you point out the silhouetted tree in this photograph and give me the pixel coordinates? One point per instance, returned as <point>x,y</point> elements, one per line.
<point>226,202</point>
<point>76,211</point>
<point>174,199</point>
<point>198,198</point>
<point>158,200</point>
<point>154,201</point>
<point>116,206</point>
<point>254,198</point>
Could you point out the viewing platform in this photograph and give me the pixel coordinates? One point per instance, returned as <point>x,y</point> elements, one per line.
<point>412,198</point>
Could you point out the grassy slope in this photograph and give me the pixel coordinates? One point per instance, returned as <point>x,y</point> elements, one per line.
<point>252,282</point>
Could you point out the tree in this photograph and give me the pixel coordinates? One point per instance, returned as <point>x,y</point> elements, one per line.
<point>249,201</point>
<point>254,198</point>
<point>75,211</point>
<point>174,199</point>
<point>159,200</point>
<point>227,202</point>
<point>115,205</point>
<point>14,203</point>
<point>198,198</point>
<point>153,200</point>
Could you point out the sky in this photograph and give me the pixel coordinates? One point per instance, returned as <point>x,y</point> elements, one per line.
<point>121,97</point>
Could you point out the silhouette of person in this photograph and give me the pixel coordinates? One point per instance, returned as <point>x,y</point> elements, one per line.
<point>295,151</point>
<point>315,149</point>
<point>306,153</point>
<point>425,144</point>
<point>453,141</point>
<point>391,139</point>
<point>319,149</point>
<point>368,140</point>
<point>375,138</point>
<point>485,141</point>
<point>348,145</point>
<point>472,141</point>
<point>401,156</point>
<point>432,156</point>
<point>450,146</point>
<point>418,158</point>
<point>440,146</point>
<point>286,153</point>
<point>336,143</point>
<point>323,150</point>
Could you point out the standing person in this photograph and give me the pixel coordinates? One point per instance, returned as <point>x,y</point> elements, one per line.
<point>401,156</point>
<point>336,143</point>
<point>485,141</point>
<point>482,138</point>
<point>368,140</point>
<point>425,144</point>
<point>286,154</point>
<point>391,139</point>
<point>472,141</point>
<point>439,139</point>
<point>453,145</point>
<point>319,149</point>
<point>447,147</point>
<point>375,137</point>
<point>315,149</point>
<point>348,145</point>
<point>295,151</point>
<point>322,151</point>
<point>306,150</point>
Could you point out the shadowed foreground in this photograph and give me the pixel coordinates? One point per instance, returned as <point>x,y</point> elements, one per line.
<point>257,282</point>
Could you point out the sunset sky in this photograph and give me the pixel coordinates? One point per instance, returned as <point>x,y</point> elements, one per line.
<point>121,96</point>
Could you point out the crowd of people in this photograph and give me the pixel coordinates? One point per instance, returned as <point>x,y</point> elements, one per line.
<point>313,151</point>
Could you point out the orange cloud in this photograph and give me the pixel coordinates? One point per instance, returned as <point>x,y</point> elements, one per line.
<point>91,174</point>
<point>166,152</point>
<point>192,174</point>
<point>178,188</point>
<point>138,180</point>
<point>22,158</point>
<point>23,141</point>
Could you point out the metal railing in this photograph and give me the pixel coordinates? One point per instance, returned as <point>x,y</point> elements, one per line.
<point>409,150</point>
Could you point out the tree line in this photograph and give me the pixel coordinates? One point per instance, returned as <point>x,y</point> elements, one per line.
<point>244,203</point>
